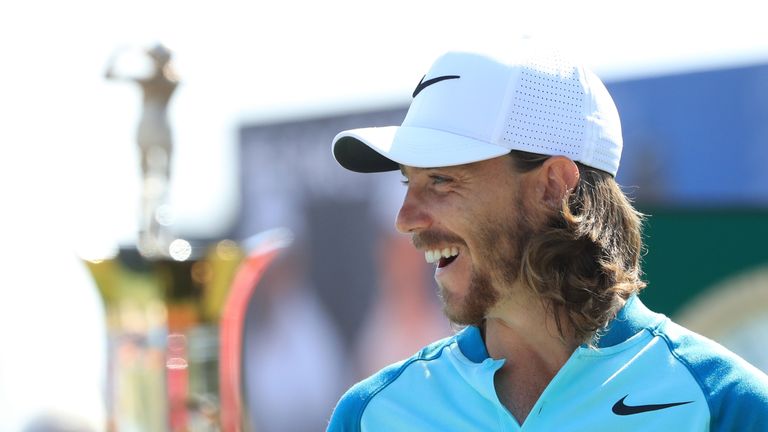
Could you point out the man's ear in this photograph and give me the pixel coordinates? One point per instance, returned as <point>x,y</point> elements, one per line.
<point>558,177</point>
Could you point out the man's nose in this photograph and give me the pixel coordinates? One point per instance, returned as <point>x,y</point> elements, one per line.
<point>413,215</point>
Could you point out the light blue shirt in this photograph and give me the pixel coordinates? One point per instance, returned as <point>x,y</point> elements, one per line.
<point>647,373</point>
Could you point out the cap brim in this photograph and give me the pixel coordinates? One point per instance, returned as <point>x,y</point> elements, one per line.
<point>380,149</point>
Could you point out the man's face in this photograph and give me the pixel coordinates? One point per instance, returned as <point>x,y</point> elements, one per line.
<point>471,223</point>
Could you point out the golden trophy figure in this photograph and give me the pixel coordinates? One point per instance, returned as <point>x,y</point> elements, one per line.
<point>174,355</point>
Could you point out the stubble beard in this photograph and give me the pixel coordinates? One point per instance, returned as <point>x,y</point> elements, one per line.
<point>500,248</point>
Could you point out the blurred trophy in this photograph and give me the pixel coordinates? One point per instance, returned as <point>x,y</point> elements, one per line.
<point>155,143</point>
<point>174,308</point>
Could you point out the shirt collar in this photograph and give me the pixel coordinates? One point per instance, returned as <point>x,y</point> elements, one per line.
<point>472,345</point>
<point>631,319</point>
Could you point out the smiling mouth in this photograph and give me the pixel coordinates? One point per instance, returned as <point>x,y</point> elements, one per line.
<point>445,261</point>
<point>443,257</point>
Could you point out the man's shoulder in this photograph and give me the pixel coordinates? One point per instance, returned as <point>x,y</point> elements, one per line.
<point>716,367</point>
<point>349,410</point>
<point>733,387</point>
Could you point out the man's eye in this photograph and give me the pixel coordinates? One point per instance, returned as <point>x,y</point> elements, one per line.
<point>438,179</point>
<point>404,181</point>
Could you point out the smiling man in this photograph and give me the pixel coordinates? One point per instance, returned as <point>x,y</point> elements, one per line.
<point>509,166</point>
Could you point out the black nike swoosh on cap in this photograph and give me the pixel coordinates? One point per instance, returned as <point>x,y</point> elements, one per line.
<point>619,408</point>
<point>424,84</point>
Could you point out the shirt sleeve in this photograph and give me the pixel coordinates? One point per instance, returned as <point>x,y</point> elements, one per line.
<point>348,412</point>
<point>736,391</point>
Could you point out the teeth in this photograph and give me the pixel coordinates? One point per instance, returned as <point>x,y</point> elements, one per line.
<point>429,256</point>
<point>434,255</point>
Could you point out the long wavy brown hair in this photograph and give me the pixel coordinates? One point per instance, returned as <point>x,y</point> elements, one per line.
<point>586,261</point>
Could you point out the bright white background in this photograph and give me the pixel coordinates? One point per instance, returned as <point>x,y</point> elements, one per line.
<point>68,167</point>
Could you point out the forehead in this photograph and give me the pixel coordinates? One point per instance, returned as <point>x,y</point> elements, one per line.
<point>481,167</point>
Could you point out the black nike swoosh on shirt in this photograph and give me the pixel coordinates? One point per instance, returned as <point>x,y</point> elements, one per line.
<point>619,408</point>
<point>424,84</point>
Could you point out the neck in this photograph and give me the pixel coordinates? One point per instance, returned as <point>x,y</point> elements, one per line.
<point>523,331</point>
<point>516,326</point>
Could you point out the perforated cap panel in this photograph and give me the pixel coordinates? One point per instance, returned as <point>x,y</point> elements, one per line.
<point>547,110</point>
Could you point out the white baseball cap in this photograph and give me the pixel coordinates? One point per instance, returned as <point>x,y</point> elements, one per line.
<point>471,107</point>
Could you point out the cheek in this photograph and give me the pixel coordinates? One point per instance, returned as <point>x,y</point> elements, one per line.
<point>495,233</point>
<point>483,222</point>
